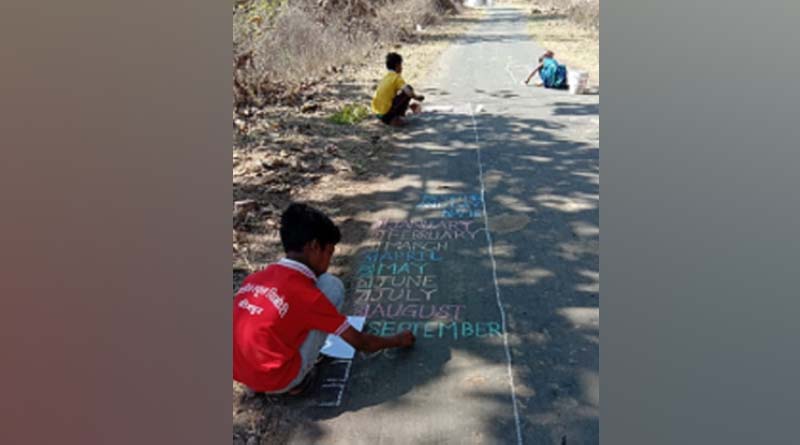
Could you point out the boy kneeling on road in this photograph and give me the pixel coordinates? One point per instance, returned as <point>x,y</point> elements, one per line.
<point>393,96</point>
<point>552,74</point>
<point>282,314</point>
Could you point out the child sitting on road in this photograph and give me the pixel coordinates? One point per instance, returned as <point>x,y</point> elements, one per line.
<point>393,96</point>
<point>553,74</point>
<point>282,314</point>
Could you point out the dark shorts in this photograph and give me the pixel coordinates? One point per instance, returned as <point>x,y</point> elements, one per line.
<point>399,108</point>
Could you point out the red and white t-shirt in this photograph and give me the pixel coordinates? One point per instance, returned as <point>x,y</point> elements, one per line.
<point>273,312</point>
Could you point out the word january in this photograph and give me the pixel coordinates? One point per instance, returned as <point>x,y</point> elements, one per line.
<point>425,224</point>
<point>426,230</point>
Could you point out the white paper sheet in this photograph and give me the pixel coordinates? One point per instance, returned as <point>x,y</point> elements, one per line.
<point>438,108</point>
<point>336,347</point>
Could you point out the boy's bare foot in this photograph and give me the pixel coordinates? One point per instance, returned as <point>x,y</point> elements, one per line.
<point>399,122</point>
<point>305,385</point>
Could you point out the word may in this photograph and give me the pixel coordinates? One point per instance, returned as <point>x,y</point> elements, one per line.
<point>374,256</point>
<point>271,294</point>
<point>437,329</point>
<point>409,267</point>
<point>419,311</point>
<point>392,294</point>
<point>426,281</point>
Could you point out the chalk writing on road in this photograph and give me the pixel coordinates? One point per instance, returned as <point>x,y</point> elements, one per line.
<point>437,329</point>
<point>412,311</point>
<point>397,284</point>
<point>464,205</point>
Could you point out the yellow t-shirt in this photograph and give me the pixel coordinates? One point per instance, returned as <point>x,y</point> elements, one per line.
<point>391,83</point>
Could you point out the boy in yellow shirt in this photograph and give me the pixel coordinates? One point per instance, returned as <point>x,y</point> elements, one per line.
<point>393,96</point>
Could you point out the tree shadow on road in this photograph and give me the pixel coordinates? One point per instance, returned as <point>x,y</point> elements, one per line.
<point>542,198</point>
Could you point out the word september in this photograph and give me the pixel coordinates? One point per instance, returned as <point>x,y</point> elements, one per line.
<point>437,329</point>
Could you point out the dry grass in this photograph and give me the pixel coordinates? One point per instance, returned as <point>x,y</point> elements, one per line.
<point>278,44</point>
<point>584,13</point>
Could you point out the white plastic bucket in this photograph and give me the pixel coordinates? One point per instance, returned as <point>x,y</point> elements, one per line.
<point>577,81</point>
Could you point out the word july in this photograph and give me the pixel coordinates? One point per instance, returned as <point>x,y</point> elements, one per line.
<point>392,294</point>
<point>437,329</point>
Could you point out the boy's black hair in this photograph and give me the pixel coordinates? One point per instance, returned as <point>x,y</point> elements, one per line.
<point>300,224</point>
<point>392,60</point>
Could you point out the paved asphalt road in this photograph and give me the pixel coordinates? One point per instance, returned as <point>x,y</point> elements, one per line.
<point>507,319</point>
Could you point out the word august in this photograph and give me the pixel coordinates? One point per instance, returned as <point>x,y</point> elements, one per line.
<point>451,312</point>
<point>437,329</point>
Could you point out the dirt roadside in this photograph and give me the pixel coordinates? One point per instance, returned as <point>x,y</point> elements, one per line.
<point>293,152</point>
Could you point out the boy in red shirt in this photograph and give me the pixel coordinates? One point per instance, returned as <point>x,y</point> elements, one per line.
<point>282,314</point>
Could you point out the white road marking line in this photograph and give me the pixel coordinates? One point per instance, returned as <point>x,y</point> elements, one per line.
<point>494,275</point>
<point>338,398</point>
<point>337,383</point>
<point>508,70</point>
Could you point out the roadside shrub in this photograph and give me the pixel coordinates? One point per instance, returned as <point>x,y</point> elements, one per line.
<point>585,13</point>
<point>280,43</point>
<point>350,114</point>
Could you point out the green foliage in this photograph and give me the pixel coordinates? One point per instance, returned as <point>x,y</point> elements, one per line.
<point>350,114</point>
